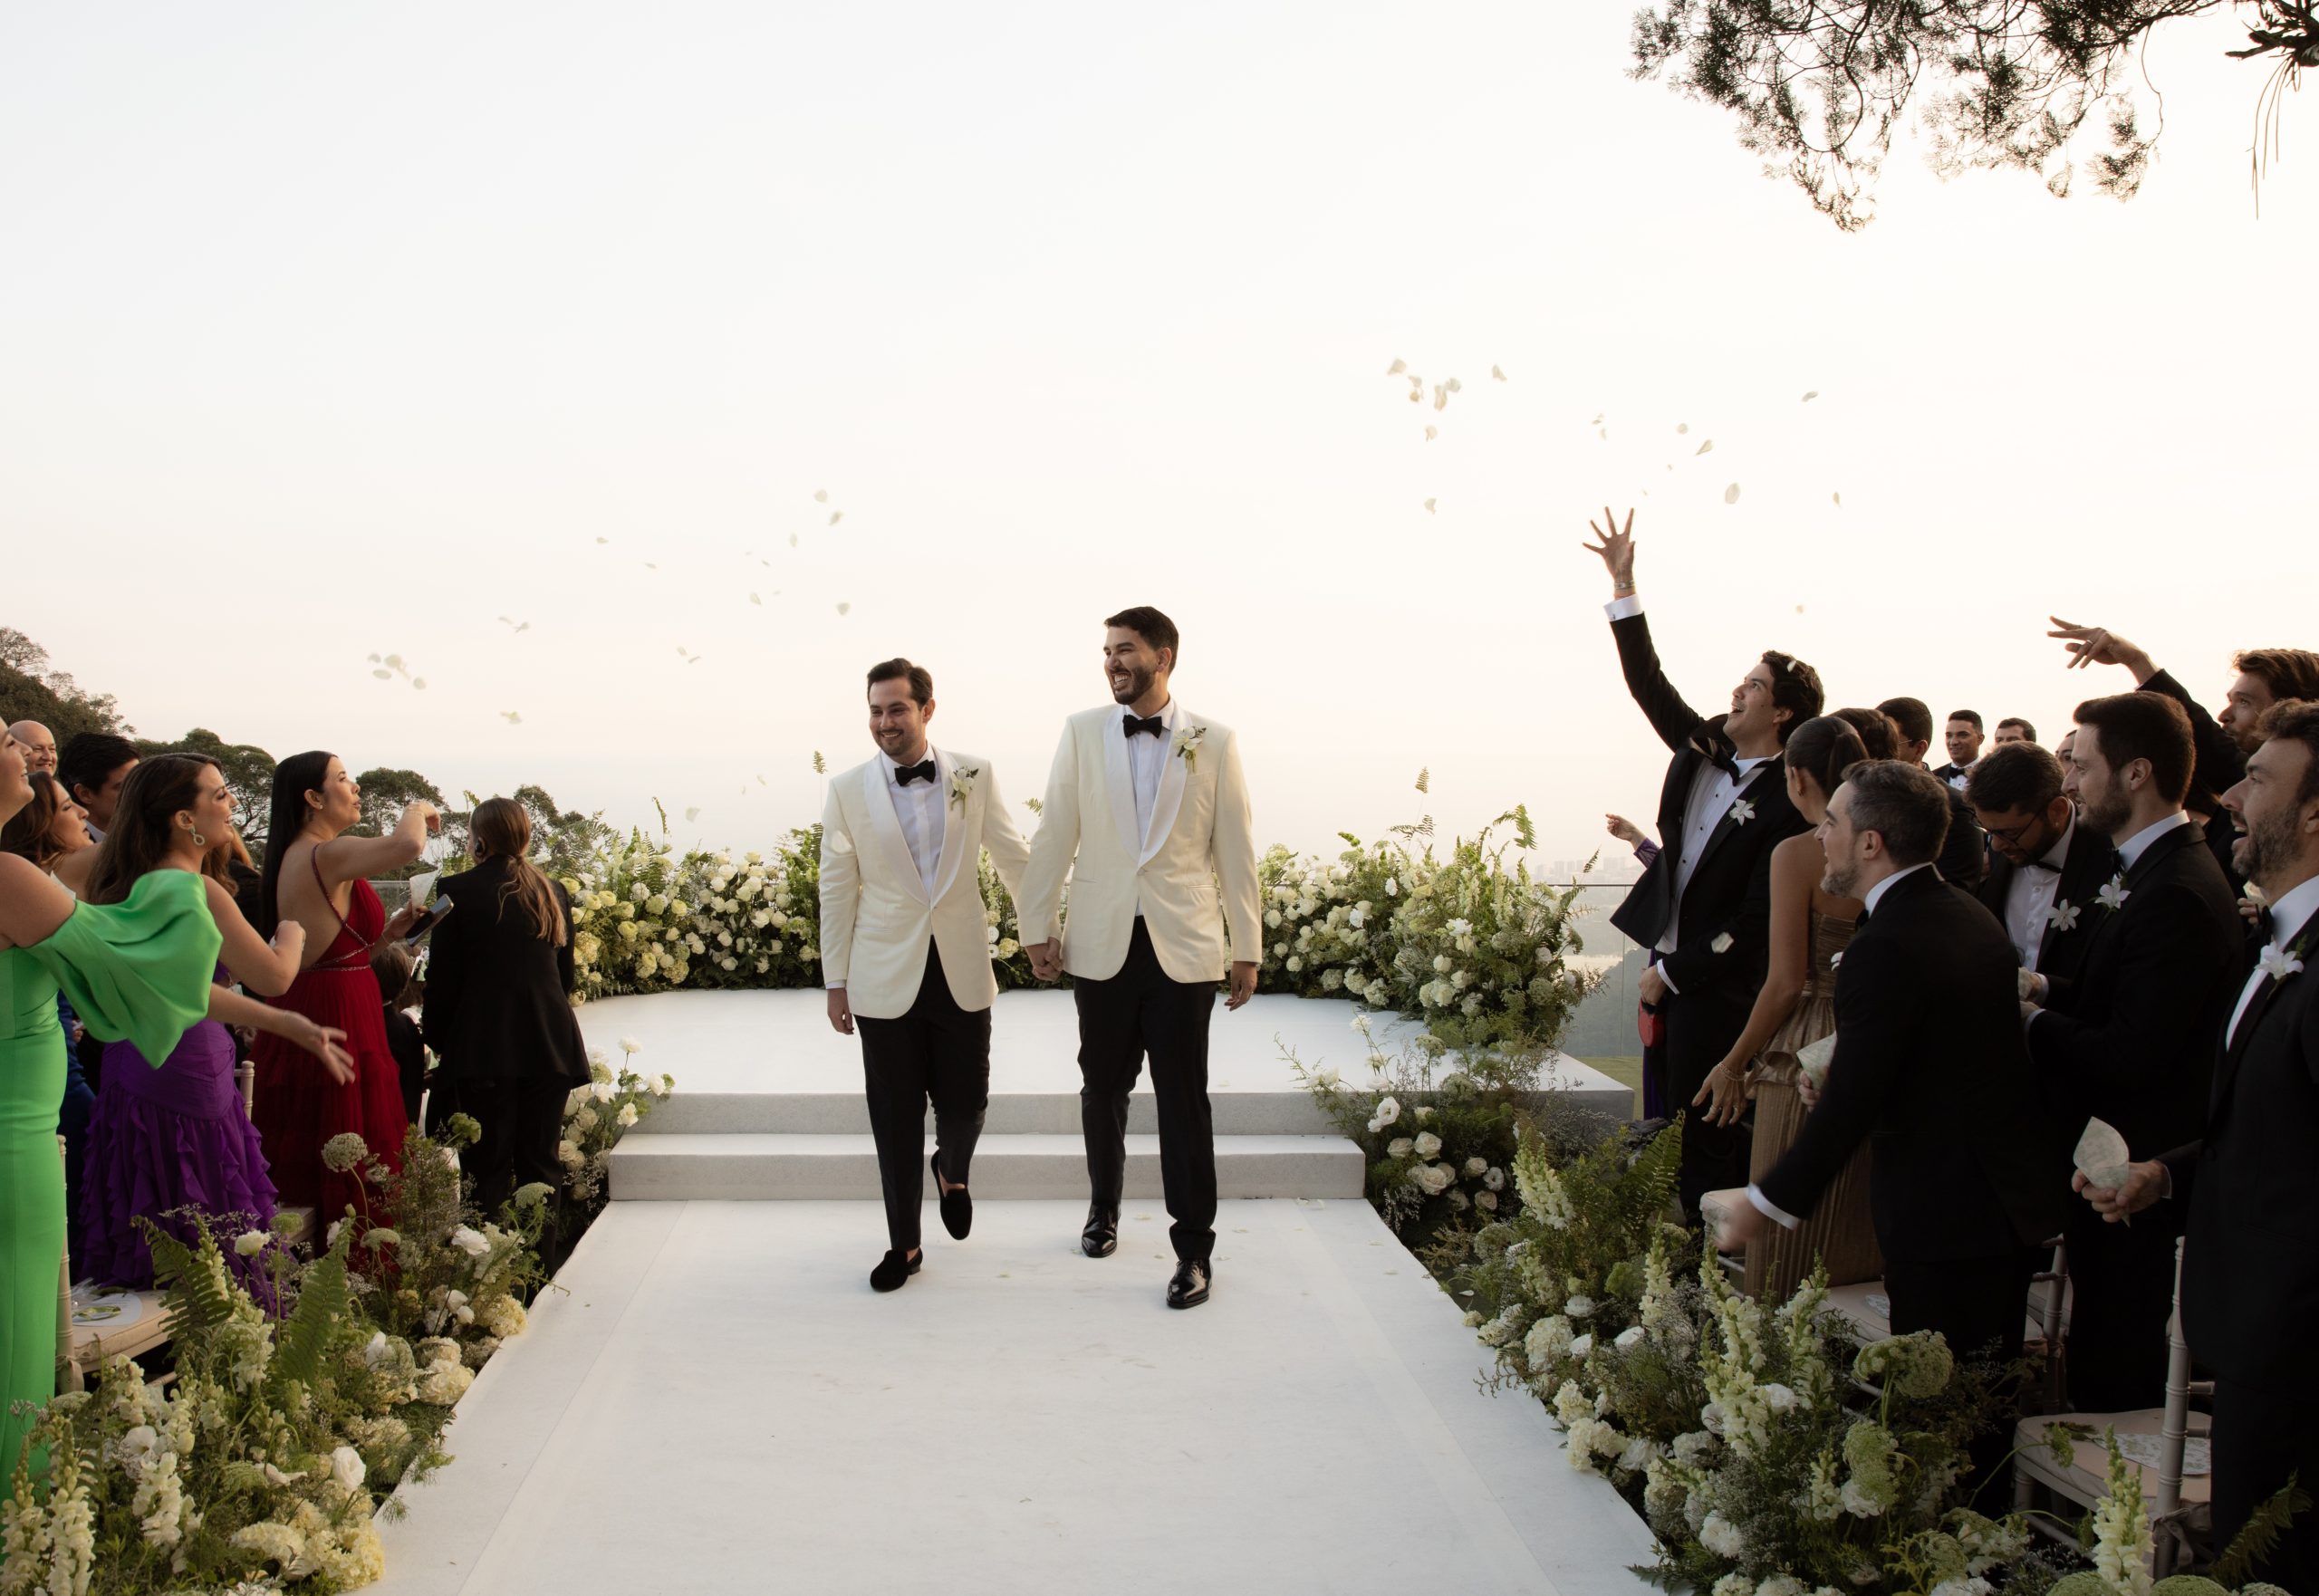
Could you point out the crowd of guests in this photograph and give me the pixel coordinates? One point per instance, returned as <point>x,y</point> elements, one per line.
<point>1989,959</point>
<point>146,958</point>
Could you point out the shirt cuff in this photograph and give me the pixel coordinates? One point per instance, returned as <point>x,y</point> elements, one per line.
<point>1661,967</point>
<point>1770,1210</point>
<point>837,985</point>
<point>1621,609</point>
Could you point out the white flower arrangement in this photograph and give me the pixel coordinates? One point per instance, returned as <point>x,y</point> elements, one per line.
<point>2113,893</point>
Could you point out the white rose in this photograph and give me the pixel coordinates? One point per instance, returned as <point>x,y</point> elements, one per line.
<point>1486,1200</point>
<point>1398,1148</point>
<point>346,1467</point>
<point>470,1242</point>
<point>627,1115</point>
<point>1428,1144</point>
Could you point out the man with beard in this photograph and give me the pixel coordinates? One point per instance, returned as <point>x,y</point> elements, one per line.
<point>2130,1046</point>
<point>2046,868</point>
<point>1704,903</point>
<point>2250,1268</point>
<point>1148,801</point>
<point>2264,676</point>
<point>1969,1177</point>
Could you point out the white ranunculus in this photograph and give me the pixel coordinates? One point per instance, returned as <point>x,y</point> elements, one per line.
<point>570,1155</point>
<point>1486,1201</point>
<point>346,1467</point>
<point>1722,1537</point>
<point>1475,1165</point>
<point>1494,1177</point>
<point>627,1115</point>
<point>603,1091</point>
<point>1433,1180</point>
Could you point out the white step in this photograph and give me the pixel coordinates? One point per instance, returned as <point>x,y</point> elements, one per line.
<point>780,1167</point>
<point>1012,1113</point>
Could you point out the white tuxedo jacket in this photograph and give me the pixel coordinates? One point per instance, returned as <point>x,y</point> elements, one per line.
<point>876,916</point>
<point>1201,836</point>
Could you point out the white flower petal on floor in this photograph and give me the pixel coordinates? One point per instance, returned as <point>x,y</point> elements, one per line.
<point>836,517</point>
<point>604,540</point>
<point>1454,385</point>
<point>754,599</point>
<point>384,673</point>
<point>1837,499</point>
<point>1431,433</point>
<point>1810,396</point>
<point>419,682</point>
<point>1682,426</point>
<point>511,717</point>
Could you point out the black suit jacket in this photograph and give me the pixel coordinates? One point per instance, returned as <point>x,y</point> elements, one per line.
<point>2060,956</point>
<point>2250,1267</point>
<point>1965,852</point>
<point>2135,1044</point>
<point>499,999</point>
<point>1929,1069</point>
<point>1729,891</point>
<point>2220,765</point>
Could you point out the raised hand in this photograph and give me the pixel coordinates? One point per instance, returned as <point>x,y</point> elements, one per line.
<point>1623,828</point>
<point>1616,549</point>
<point>2098,645</point>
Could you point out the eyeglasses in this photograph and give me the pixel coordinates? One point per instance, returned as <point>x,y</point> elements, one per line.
<point>2011,836</point>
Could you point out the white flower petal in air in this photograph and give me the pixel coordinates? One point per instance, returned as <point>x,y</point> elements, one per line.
<point>1836,499</point>
<point>1431,433</point>
<point>1416,394</point>
<point>1704,447</point>
<point>1454,385</point>
<point>845,608</point>
<point>1440,396</point>
<point>1497,373</point>
<point>1722,943</point>
<point>1429,506</point>
<point>1397,368</point>
<point>836,517</point>
<point>384,673</point>
<point>419,682</point>
<point>1596,422</point>
<point>374,659</point>
<point>511,717</point>
<point>1731,494</point>
<point>604,540</point>
<point>394,661</point>
<point>1810,396</point>
<point>754,599</point>
<point>792,539</point>
<point>692,814</point>
<point>683,652</point>
<point>1682,426</point>
<point>821,495</point>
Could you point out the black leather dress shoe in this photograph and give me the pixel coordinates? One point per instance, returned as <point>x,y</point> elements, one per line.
<point>1189,1288</point>
<point>1100,1239</point>
<point>957,1207</point>
<point>892,1270</point>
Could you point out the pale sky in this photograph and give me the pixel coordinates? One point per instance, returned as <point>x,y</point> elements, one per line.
<point>328,332</point>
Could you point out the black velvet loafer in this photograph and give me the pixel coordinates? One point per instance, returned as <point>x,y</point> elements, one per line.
<point>892,1270</point>
<point>957,1207</point>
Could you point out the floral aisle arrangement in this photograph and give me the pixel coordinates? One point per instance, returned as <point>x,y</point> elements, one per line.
<point>595,1117</point>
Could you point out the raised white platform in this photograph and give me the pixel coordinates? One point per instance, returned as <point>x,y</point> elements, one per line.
<point>722,1404</point>
<point>769,1062</point>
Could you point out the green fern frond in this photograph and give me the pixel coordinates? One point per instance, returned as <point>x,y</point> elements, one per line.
<point>324,1300</point>
<point>2253,1546</point>
<point>195,1280</point>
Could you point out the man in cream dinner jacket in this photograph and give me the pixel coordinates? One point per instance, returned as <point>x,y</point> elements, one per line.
<point>905,948</point>
<point>1149,801</point>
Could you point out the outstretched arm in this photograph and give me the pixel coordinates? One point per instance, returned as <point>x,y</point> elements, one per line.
<point>1675,721</point>
<point>2220,763</point>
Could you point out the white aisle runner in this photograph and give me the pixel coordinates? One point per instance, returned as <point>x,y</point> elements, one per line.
<point>721,1404</point>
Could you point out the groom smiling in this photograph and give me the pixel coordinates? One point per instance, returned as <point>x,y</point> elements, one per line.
<point>1149,801</point>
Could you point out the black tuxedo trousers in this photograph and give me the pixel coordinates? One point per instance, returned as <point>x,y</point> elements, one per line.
<point>937,1051</point>
<point>1136,1012</point>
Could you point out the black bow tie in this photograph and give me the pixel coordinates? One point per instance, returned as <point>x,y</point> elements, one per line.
<point>2044,864</point>
<point>923,771</point>
<point>1148,725</point>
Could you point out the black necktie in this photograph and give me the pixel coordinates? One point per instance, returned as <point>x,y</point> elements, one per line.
<point>1150,724</point>
<point>904,774</point>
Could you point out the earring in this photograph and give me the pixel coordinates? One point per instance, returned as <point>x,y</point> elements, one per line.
<point>198,839</point>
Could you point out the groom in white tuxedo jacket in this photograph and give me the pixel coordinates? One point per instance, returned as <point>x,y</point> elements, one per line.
<point>1149,799</point>
<point>905,948</point>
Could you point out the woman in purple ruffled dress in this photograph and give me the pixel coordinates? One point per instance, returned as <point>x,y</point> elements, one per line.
<point>177,1137</point>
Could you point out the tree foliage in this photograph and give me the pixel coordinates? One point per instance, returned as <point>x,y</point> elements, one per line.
<point>1820,86</point>
<point>30,690</point>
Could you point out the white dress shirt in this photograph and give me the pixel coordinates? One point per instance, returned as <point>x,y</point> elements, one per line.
<point>2135,846</point>
<point>2289,915</point>
<point>1147,761</point>
<point>919,807</point>
<point>1875,895</point>
<point>2030,897</point>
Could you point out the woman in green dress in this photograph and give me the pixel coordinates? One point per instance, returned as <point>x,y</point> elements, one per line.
<point>138,971</point>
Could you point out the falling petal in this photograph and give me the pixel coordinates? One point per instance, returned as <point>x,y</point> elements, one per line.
<point>1838,499</point>
<point>1440,396</point>
<point>393,662</point>
<point>1799,609</point>
<point>507,621</point>
<point>604,540</point>
<point>374,659</point>
<point>821,495</point>
<point>1596,422</point>
<point>845,608</point>
<point>693,813</point>
<point>1603,433</point>
<point>1682,426</point>
<point>761,782</point>
<point>1397,368</point>
<point>1416,394</point>
<point>1429,506</point>
<point>511,717</point>
<point>1731,494</point>
<point>1431,433</point>
<point>1810,397</point>
<point>523,629</point>
<point>683,652</point>
<point>836,517</point>
<point>792,539</point>
<point>1703,447</point>
<point>754,599</point>
<point>1454,385</point>
<point>384,674</point>
<point>649,566</point>
<point>419,682</point>
<point>694,660</point>
<point>1497,373</point>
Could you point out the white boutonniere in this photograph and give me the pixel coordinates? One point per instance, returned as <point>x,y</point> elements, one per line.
<point>1722,943</point>
<point>2279,962</point>
<point>962,785</point>
<point>1187,742</point>
<point>2062,916</point>
<point>1742,811</point>
<point>2112,895</point>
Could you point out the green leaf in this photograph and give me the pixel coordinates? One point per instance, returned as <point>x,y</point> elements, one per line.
<point>2253,1544</point>
<point>323,1304</point>
<point>196,1288</point>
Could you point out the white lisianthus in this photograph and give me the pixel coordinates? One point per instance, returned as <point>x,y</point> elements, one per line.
<point>1389,1109</point>
<point>1494,1177</point>
<point>346,1467</point>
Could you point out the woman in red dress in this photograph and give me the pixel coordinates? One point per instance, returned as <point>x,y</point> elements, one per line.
<point>318,876</point>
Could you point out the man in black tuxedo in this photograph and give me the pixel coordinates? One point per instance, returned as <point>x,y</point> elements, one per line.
<point>1970,1176</point>
<point>1962,735</point>
<point>2130,1044</point>
<point>1704,903</point>
<point>2045,866</point>
<point>2250,1266</point>
<point>1964,859</point>
<point>2265,677</point>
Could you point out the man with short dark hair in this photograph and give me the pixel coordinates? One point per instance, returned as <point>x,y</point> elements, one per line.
<point>1704,904</point>
<point>1969,1176</point>
<point>2250,1266</point>
<point>92,768</point>
<point>904,952</point>
<point>1151,802</point>
<point>1963,859</point>
<point>2128,1042</point>
<point>1963,738</point>
<point>2045,866</point>
<point>2014,729</point>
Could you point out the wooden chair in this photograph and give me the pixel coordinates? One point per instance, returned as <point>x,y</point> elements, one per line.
<point>2177,1501</point>
<point>82,1348</point>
